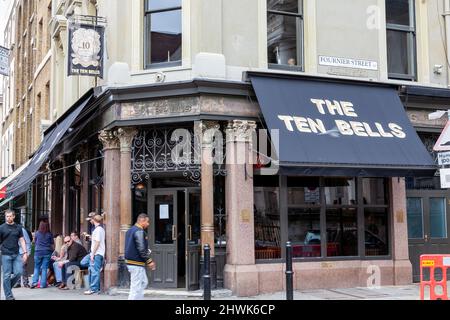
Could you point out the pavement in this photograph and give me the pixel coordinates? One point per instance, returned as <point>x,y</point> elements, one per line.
<point>410,292</point>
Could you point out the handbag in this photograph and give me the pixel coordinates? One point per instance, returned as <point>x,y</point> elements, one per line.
<point>50,277</point>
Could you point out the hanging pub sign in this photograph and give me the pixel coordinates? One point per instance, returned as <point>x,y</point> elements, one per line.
<point>4,61</point>
<point>86,49</point>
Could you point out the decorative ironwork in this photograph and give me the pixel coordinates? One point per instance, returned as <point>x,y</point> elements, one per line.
<point>429,140</point>
<point>164,150</point>
<point>220,221</point>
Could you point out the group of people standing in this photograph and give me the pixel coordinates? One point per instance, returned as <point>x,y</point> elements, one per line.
<point>49,254</point>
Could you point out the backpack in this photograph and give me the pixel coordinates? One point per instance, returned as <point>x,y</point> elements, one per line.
<point>30,234</point>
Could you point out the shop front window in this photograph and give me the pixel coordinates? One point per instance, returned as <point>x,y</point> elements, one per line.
<point>375,201</point>
<point>304,203</point>
<point>340,191</point>
<point>267,218</point>
<point>342,232</point>
<point>322,217</point>
<point>376,231</point>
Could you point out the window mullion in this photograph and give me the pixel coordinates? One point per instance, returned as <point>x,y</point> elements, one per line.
<point>284,227</point>
<point>360,219</point>
<point>323,223</point>
<point>284,13</point>
<point>162,10</point>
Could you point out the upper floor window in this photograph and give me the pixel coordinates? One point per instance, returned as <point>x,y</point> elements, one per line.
<point>162,33</point>
<point>401,39</point>
<point>285,34</point>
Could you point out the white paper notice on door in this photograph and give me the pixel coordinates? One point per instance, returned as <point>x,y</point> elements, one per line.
<point>163,211</point>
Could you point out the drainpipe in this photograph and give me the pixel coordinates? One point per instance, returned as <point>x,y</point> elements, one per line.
<point>447,36</point>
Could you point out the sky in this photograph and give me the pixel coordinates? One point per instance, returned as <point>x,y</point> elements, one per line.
<point>4,4</point>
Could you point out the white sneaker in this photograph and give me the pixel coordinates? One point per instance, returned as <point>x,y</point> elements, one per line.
<point>89,292</point>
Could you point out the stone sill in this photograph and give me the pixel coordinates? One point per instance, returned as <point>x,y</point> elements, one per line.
<point>220,293</point>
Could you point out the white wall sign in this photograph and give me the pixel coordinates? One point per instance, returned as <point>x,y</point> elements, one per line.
<point>348,63</point>
<point>445,178</point>
<point>4,61</point>
<point>444,158</point>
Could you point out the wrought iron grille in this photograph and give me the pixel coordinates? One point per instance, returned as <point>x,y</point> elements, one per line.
<point>152,153</point>
<point>429,140</point>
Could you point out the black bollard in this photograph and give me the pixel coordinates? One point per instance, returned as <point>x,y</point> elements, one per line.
<point>206,274</point>
<point>289,273</point>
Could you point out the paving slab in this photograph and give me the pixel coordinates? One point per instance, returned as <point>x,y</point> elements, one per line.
<point>383,293</point>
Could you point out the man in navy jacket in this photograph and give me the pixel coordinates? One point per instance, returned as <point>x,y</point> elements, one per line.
<point>137,257</point>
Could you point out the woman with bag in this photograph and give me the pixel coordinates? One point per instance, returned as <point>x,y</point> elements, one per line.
<point>44,246</point>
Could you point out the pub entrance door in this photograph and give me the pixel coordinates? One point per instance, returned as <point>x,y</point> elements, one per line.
<point>427,225</point>
<point>175,237</point>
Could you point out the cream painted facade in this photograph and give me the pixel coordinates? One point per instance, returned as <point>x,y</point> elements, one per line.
<point>236,32</point>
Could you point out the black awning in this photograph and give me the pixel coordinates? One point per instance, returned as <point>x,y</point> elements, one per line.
<point>51,139</point>
<point>340,128</point>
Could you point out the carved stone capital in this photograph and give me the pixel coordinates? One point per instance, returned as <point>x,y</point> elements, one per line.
<point>126,136</point>
<point>109,139</point>
<point>240,130</point>
<point>208,130</point>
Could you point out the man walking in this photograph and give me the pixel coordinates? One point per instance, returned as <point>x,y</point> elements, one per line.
<point>97,256</point>
<point>137,257</point>
<point>11,235</point>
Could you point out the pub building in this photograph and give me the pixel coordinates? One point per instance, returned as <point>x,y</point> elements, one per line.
<point>332,181</point>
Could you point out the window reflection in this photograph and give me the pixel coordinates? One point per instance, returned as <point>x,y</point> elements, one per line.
<point>140,199</point>
<point>282,39</point>
<point>376,232</point>
<point>342,232</point>
<point>304,232</point>
<point>162,4</point>
<point>284,32</point>
<point>414,209</point>
<point>267,218</point>
<point>165,28</point>
<point>374,191</point>
<point>163,41</point>
<point>397,12</point>
<point>303,191</point>
<point>438,223</point>
<point>283,5</point>
<point>163,219</point>
<point>340,191</point>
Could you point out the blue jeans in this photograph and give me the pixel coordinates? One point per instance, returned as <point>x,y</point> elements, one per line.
<point>40,268</point>
<point>85,262</point>
<point>12,271</point>
<point>58,271</point>
<point>94,273</point>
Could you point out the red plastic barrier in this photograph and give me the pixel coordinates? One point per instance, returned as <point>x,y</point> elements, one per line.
<point>433,262</point>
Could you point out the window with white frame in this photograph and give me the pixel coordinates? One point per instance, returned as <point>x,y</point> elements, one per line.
<point>163,33</point>
<point>285,34</point>
<point>401,39</point>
